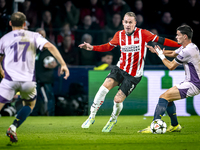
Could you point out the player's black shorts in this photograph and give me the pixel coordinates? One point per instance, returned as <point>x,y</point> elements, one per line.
<point>127,83</point>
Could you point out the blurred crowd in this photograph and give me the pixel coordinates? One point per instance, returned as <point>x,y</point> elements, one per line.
<point>68,23</point>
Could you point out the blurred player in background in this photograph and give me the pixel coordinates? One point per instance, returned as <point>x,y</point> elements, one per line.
<point>187,55</point>
<point>17,51</point>
<point>129,70</point>
<point>45,104</point>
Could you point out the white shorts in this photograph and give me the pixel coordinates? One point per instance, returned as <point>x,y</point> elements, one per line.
<point>187,89</point>
<point>9,88</point>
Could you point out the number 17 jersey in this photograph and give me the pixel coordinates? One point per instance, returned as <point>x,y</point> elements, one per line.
<point>19,50</point>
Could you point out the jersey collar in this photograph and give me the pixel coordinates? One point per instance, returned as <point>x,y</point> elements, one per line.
<point>131,32</point>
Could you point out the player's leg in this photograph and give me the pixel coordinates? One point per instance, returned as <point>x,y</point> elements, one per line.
<point>169,96</point>
<point>175,126</point>
<point>117,108</point>
<point>1,105</point>
<point>28,95</point>
<point>24,112</point>
<point>118,104</point>
<point>113,79</point>
<point>7,93</point>
<point>127,86</point>
<point>171,110</point>
<point>186,89</point>
<point>108,84</point>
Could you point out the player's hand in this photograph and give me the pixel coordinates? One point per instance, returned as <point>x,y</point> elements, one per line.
<point>151,48</point>
<point>65,70</point>
<point>158,50</point>
<point>86,46</point>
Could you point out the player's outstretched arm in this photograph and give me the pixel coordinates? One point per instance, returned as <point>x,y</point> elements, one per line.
<point>86,46</point>
<point>171,65</point>
<point>151,48</point>
<point>168,53</point>
<point>54,51</point>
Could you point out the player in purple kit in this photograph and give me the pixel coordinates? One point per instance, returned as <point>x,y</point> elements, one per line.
<point>18,51</point>
<point>187,55</point>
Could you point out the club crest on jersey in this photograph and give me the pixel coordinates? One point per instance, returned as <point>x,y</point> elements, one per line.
<point>130,48</point>
<point>136,39</point>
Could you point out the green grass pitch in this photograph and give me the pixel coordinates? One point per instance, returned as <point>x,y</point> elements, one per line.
<point>54,133</point>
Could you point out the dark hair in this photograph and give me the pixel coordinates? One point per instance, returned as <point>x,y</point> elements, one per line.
<point>18,19</point>
<point>185,29</point>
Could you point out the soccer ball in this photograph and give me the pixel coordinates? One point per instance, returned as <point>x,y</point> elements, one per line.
<point>47,60</point>
<point>158,126</point>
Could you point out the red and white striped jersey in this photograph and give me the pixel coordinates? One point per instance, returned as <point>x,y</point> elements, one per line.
<point>133,50</point>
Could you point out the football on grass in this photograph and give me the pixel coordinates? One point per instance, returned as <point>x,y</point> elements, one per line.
<point>158,126</point>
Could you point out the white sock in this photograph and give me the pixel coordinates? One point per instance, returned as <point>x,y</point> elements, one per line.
<point>98,100</point>
<point>13,127</point>
<point>117,108</point>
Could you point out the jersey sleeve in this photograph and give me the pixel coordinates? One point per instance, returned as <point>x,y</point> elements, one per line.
<point>161,40</point>
<point>177,51</point>
<point>149,36</point>
<point>183,56</point>
<point>108,46</point>
<point>115,39</point>
<point>40,41</point>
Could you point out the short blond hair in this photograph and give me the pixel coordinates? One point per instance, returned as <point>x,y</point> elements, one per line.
<point>131,14</point>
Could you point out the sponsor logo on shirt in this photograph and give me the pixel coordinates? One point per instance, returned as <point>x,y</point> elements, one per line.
<point>130,48</point>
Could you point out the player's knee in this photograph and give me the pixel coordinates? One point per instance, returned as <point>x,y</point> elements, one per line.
<point>109,83</point>
<point>31,104</point>
<point>164,96</point>
<point>118,99</point>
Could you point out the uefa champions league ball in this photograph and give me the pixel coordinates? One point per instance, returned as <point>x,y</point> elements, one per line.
<point>158,126</point>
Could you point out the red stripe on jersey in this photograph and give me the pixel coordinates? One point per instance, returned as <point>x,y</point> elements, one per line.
<point>123,39</point>
<point>122,64</point>
<point>135,64</point>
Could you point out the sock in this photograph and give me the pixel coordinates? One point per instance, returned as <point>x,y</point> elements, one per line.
<point>160,108</point>
<point>171,110</point>
<point>13,128</point>
<point>117,108</point>
<point>98,100</point>
<point>22,115</point>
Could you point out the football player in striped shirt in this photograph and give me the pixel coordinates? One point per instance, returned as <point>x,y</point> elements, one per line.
<point>129,69</point>
<point>18,51</point>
